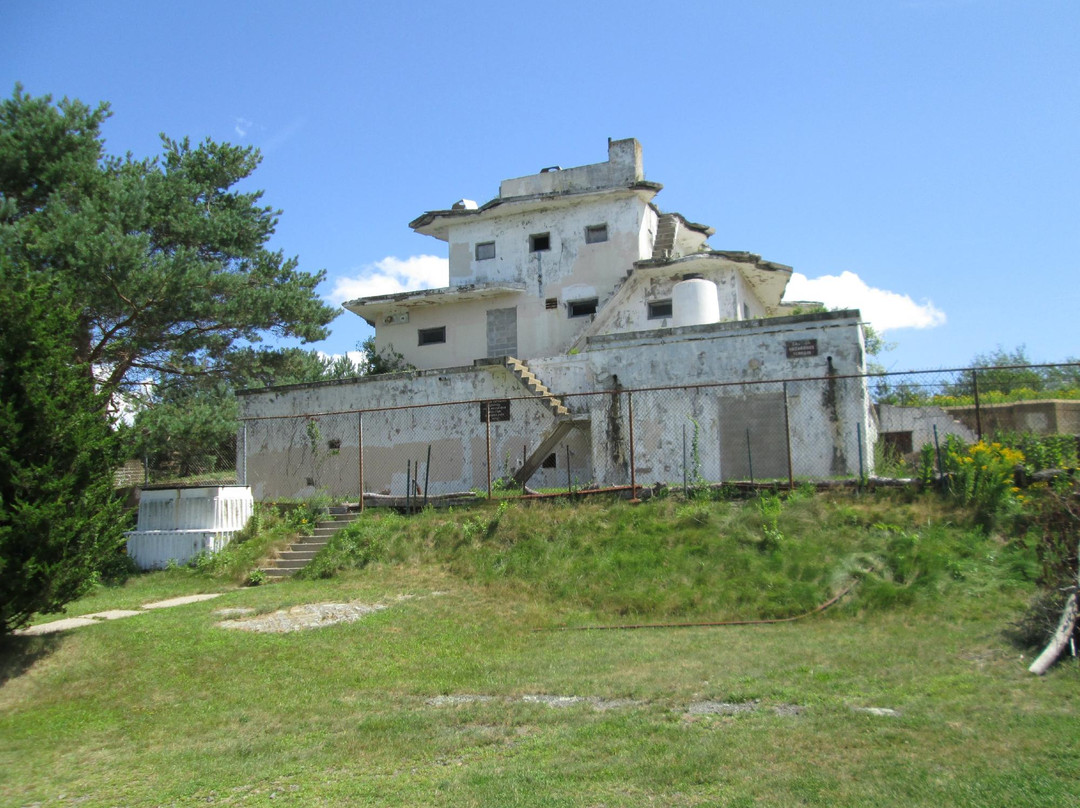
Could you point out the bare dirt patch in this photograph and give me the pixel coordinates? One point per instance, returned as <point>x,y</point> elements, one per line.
<point>304,616</point>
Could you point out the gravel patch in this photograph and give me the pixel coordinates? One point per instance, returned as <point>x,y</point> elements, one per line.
<point>881,711</point>
<point>305,616</point>
<point>721,707</point>
<point>464,698</point>
<point>236,611</point>
<point>788,709</point>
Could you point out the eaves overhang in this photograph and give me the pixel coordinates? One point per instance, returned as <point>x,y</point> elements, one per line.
<point>768,279</point>
<point>375,309</point>
<point>437,223</point>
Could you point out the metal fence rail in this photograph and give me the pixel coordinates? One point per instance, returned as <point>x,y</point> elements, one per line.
<point>783,430</point>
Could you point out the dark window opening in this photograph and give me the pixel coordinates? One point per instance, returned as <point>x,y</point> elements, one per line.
<point>899,442</point>
<point>549,462</point>
<point>539,242</point>
<point>659,309</point>
<point>485,250</point>
<point>333,444</point>
<point>596,233</point>
<point>551,303</point>
<point>582,308</point>
<point>432,336</point>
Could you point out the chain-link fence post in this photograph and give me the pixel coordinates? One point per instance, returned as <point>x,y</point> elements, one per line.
<point>633,459</point>
<point>487,426</point>
<point>360,455</point>
<point>787,441</point>
<point>978,409</point>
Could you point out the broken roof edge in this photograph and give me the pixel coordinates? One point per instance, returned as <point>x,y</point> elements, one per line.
<point>422,223</point>
<point>736,256</point>
<point>396,376</point>
<point>474,291</point>
<point>705,229</point>
<point>705,330</point>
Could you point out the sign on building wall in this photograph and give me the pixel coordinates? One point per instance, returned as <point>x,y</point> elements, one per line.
<point>800,348</point>
<point>499,410</point>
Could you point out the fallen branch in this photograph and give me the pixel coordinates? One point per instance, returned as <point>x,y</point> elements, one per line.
<point>1061,637</point>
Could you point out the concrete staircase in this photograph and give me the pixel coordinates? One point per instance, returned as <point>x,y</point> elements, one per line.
<point>667,228</point>
<point>564,422</point>
<point>299,554</point>
<point>535,386</point>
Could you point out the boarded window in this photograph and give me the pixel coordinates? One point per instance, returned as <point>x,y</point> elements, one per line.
<point>753,437</point>
<point>659,309</point>
<point>540,242</point>
<point>432,336</point>
<point>582,308</point>
<point>485,250</point>
<point>595,233</point>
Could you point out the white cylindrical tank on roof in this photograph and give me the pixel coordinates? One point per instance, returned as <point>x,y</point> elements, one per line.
<point>694,302</point>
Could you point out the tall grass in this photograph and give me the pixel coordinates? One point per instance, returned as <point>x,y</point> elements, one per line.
<point>668,559</point>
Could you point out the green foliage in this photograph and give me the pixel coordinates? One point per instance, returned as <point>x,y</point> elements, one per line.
<point>385,361</point>
<point>1051,521</point>
<point>355,546</point>
<point>774,556</point>
<point>982,476</point>
<point>60,520</point>
<point>166,261</point>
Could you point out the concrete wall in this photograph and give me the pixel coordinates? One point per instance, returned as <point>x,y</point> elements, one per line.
<point>317,450</point>
<point>623,167</point>
<point>569,270</point>
<point>1048,417</point>
<point>920,422</point>
<point>827,416</point>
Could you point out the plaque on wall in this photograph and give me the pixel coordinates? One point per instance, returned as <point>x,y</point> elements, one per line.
<point>800,348</point>
<point>499,410</point>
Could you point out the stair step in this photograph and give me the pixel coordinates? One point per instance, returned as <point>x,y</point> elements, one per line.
<point>274,572</point>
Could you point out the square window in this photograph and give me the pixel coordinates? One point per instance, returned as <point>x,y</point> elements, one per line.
<point>595,233</point>
<point>582,308</point>
<point>659,309</point>
<point>539,242</point>
<point>549,462</point>
<point>432,336</point>
<point>485,250</point>
<point>551,303</point>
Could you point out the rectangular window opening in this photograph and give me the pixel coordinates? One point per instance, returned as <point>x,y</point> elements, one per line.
<point>595,233</point>
<point>549,462</point>
<point>485,250</point>
<point>659,309</point>
<point>540,242</point>
<point>432,336</point>
<point>582,308</point>
<point>551,303</point>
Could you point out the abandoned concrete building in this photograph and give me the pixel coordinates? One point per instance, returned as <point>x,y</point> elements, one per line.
<point>565,290</point>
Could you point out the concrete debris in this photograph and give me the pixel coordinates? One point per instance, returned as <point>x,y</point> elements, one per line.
<point>305,616</point>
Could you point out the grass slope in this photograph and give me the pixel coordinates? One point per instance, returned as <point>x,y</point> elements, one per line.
<point>166,708</point>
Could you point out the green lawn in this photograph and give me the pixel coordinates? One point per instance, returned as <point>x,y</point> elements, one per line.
<point>166,708</point>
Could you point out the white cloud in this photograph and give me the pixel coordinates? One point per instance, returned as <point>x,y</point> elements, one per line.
<point>885,310</point>
<point>392,275</point>
<point>242,126</point>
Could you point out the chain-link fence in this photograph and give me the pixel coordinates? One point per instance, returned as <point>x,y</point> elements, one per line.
<point>186,461</point>
<point>783,431</point>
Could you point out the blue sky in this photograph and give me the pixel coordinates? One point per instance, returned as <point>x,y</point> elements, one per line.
<point>917,158</point>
